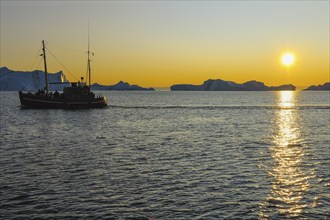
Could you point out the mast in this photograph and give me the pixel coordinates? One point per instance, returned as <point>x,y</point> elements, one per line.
<point>89,68</point>
<point>45,64</point>
<point>89,61</point>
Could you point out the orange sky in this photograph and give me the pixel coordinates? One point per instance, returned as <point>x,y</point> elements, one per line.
<point>157,44</point>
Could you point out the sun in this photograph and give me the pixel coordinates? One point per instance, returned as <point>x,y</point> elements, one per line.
<point>287,59</point>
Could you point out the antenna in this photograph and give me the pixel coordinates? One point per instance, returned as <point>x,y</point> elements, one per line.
<point>88,35</point>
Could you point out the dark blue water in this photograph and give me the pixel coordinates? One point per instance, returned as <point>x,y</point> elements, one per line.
<point>169,155</point>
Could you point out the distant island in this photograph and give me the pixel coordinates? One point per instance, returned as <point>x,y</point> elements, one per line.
<point>221,85</point>
<point>325,86</point>
<point>11,80</point>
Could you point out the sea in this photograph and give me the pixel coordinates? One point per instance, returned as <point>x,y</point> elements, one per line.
<point>169,155</point>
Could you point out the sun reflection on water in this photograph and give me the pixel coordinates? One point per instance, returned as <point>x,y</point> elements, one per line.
<point>289,180</point>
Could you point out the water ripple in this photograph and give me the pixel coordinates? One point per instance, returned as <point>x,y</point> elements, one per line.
<point>203,159</point>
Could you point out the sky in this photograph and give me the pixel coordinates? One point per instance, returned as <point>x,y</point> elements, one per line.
<point>161,43</point>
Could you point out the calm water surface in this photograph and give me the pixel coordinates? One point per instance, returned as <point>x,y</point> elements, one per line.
<point>169,155</point>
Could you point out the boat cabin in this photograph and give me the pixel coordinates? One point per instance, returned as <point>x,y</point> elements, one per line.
<point>78,90</point>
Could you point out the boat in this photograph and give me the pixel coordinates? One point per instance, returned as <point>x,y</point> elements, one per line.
<point>76,96</point>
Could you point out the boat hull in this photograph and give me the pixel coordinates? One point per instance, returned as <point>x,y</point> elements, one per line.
<point>29,100</point>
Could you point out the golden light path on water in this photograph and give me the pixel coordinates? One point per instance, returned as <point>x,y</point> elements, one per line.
<point>289,181</point>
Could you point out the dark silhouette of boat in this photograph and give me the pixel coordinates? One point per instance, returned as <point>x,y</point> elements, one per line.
<point>77,95</point>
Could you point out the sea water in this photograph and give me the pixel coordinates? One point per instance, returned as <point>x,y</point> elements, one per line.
<point>169,155</point>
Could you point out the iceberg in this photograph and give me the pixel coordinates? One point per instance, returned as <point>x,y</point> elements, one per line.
<point>120,86</point>
<point>324,87</point>
<point>11,80</point>
<point>221,85</point>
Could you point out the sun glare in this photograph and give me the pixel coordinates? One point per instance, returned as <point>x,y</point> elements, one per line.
<point>287,59</point>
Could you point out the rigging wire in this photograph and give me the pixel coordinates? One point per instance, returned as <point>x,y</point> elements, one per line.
<point>31,78</point>
<point>67,48</point>
<point>61,64</point>
<point>35,59</point>
<point>94,75</point>
<point>39,62</point>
